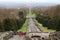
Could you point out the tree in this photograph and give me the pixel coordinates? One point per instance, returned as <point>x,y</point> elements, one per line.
<point>0,27</point>
<point>7,24</point>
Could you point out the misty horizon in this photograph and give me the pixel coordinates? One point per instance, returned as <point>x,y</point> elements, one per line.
<point>28,3</point>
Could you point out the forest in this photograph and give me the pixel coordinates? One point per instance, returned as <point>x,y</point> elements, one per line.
<point>11,19</point>
<point>50,17</point>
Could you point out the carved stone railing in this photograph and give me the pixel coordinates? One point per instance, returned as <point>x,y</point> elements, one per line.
<point>55,36</point>
<point>6,35</point>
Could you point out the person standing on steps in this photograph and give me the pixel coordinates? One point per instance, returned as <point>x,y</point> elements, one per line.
<point>20,33</point>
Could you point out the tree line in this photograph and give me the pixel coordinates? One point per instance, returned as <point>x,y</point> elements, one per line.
<point>12,24</point>
<point>49,22</point>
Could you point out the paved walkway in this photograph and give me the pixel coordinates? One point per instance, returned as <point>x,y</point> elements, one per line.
<point>17,37</point>
<point>31,26</point>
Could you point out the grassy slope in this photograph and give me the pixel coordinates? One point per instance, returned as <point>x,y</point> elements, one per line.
<point>30,14</point>
<point>23,29</point>
<point>44,29</point>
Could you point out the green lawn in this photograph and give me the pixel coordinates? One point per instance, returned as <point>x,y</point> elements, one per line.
<point>44,29</point>
<point>23,29</point>
<point>30,14</point>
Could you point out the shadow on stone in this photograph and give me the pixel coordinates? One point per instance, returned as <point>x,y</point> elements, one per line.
<point>27,38</point>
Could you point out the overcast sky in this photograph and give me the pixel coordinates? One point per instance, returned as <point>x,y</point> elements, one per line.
<point>30,1</point>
